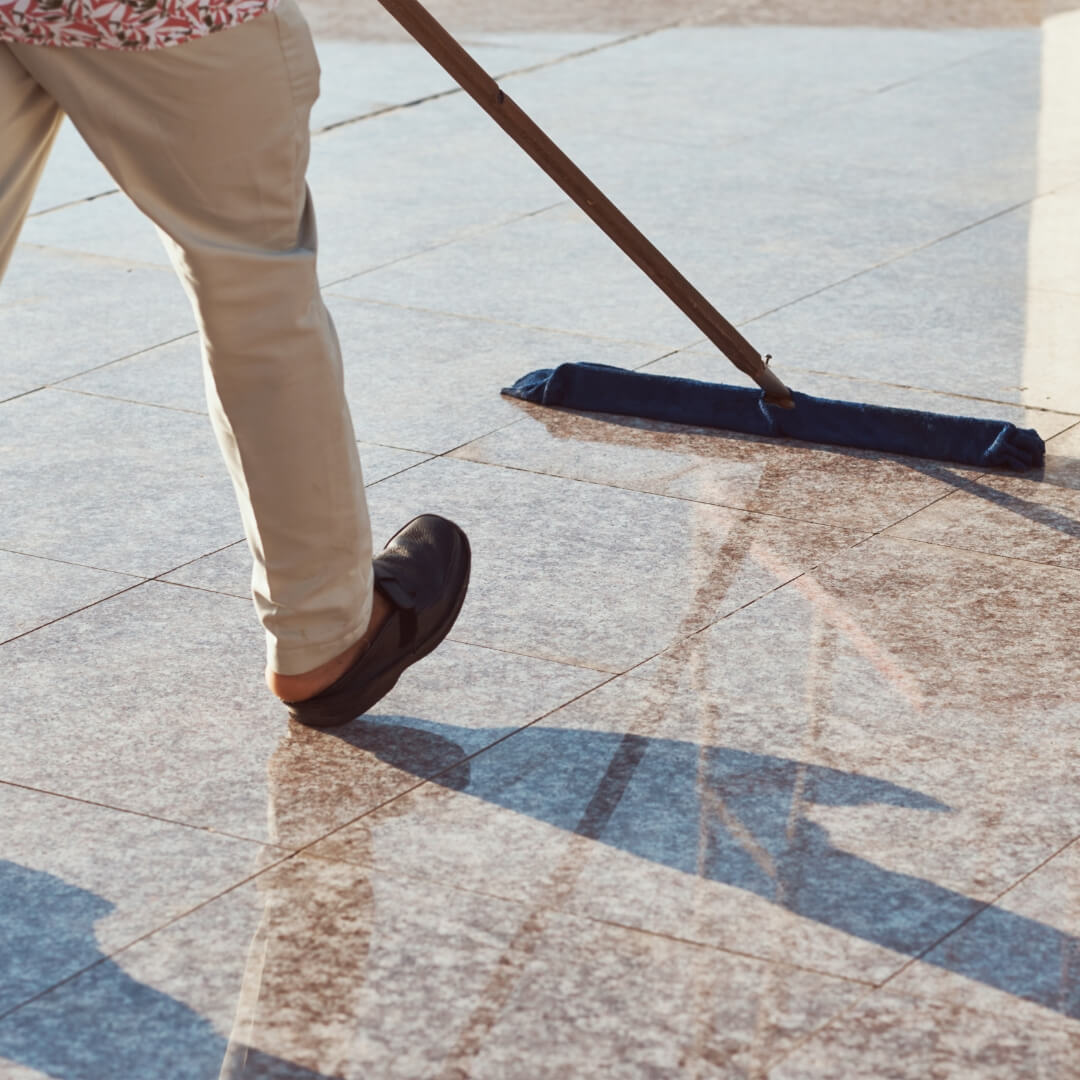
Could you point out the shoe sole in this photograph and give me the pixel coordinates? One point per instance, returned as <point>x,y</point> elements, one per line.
<point>383,684</point>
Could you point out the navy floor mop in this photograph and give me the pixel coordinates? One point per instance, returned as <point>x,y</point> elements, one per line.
<point>774,409</point>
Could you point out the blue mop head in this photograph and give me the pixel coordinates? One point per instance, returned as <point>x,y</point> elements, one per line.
<point>600,388</point>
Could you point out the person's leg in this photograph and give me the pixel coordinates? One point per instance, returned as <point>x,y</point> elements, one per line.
<point>29,120</point>
<point>210,140</point>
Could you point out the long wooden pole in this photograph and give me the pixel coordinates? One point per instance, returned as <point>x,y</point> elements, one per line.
<point>483,89</point>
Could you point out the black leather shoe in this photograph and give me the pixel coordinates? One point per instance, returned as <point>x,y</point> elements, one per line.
<point>424,572</point>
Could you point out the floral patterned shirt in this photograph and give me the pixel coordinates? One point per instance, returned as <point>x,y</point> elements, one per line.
<point>121,24</point>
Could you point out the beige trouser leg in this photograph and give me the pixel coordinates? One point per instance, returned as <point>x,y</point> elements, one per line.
<point>210,140</point>
<point>29,120</point>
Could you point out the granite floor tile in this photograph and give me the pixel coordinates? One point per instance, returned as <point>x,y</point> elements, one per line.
<point>810,196</point>
<point>361,77</point>
<point>808,779</point>
<point>630,88</point>
<point>1022,518</point>
<point>568,276</point>
<point>553,271</point>
<point>412,180</point>
<point>110,227</point>
<point>428,382</point>
<point>383,189</point>
<point>415,380</point>
<point>61,314</point>
<point>998,964</point>
<point>321,970</point>
<point>956,317</point>
<point>965,134</point>
<point>593,575</point>
<point>36,590</point>
<point>726,223</point>
<point>168,375</point>
<point>172,718</point>
<point>893,1037</point>
<point>113,485</point>
<point>847,488</point>
<point>71,174</point>
<point>78,882</point>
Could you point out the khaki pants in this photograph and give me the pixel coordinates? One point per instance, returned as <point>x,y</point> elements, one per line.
<point>210,140</point>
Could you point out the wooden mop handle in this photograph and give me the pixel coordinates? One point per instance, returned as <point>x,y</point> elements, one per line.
<point>483,89</point>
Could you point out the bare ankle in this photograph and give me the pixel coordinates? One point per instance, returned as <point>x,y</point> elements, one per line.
<point>309,683</point>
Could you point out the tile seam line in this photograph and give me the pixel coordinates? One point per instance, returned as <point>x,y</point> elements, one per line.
<point>661,495</point>
<point>604,682</point>
<point>900,257</point>
<point>931,1000</point>
<point>305,849</point>
<point>487,319</point>
<point>117,261</point>
<point>68,614</point>
<point>918,249</point>
<point>1023,406</point>
<point>179,409</point>
<point>208,830</point>
<point>513,73</point>
<point>58,383</point>
<point>143,937</point>
<point>70,562</point>
<point>687,21</point>
<point>73,202</point>
<point>824,561</point>
<point>971,57</point>
<point>120,592</point>
<point>973,550</point>
<point>467,234</point>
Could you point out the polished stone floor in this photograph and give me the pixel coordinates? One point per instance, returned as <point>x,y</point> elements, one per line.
<point>745,759</point>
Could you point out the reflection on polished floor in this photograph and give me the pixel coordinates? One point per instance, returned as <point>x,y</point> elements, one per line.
<point>745,759</point>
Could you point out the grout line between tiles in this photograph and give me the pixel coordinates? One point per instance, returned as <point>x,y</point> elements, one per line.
<point>488,320</point>
<point>467,234</point>
<point>118,262</point>
<point>135,585</point>
<point>22,394</point>
<point>730,507</point>
<point>131,812</point>
<point>128,401</point>
<point>456,765</point>
<point>979,54</point>
<point>58,384</point>
<point>891,260</point>
<point>931,999</point>
<point>978,551</point>
<point>292,853</point>
<point>517,901</point>
<point>534,656</point>
<point>76,611</point>
<point>70,562</point>
<point>73,202</point>
<point>553,61</point>
<point>143,937</point>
